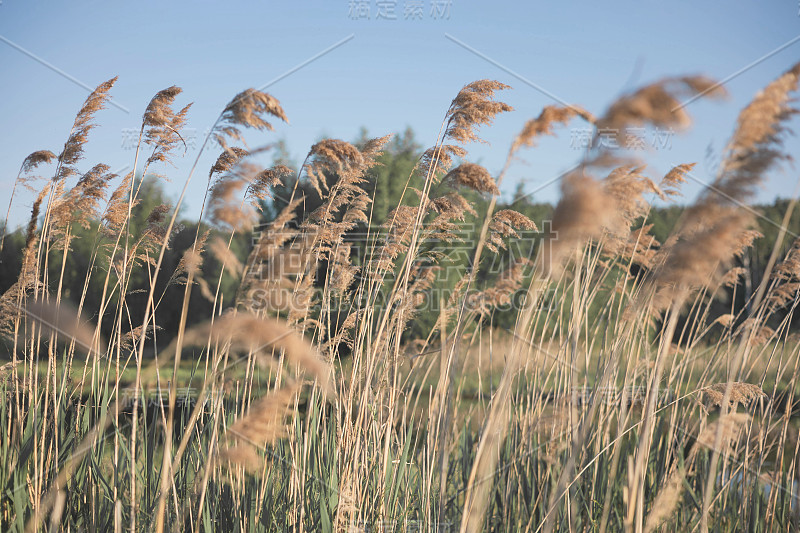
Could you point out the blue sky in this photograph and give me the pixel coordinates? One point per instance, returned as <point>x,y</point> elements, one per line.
<point>389,75</point>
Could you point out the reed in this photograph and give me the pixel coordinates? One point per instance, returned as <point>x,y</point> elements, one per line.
<point>351,372</point>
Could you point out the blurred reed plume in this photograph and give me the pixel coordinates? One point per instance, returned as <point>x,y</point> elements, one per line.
<point>64,321</point>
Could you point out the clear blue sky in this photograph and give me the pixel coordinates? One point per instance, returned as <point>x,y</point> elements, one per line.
<point>391,74</point>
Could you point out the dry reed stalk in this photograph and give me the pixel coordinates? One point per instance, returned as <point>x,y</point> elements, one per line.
<point>439,159</point>
<point>711,233</point>
<point>62,319</point>
<point>712,230</point>
<point>25,179</point>
<point>481,478</point>
<point>246,110</point>
<point>258,189</point>
<point>80,204</point>
<point>758,138</point>
<point>399,225</point>
<point>32,162</point>
<point>28,280</point>
<point>344,333</point>
<point>694,260</point>
<point>624,186</point>
<point>621,196</point>
<point>79,135</point>
<point>488,451</point>
<point>729,426</point>
<point>341,271</point>
<point>450,210</point>
<point>543,124</point>
<point>131,337</point>
<point>582,213</point>
<point>453,206</point>
<point>270,265</point>
<point>153,235</point>
<point>191,260</point>
<point>785,279</point>
<point>472,176</point>
<point>671,492</point>
<point>731,278</point>
<point>345,202</point>
<point>666,500</point>
<point>225,207</point>
<point>161,125</point>
<point>673,180</point>
<point>333,156</point>
<point>498,294</point>
<point>265,337</point>
<point>473,107</point>
<point>505,224</point>
<point>264,423</point>
<point>66,166</point>
<point>116,213</point>
<point>221,250</point>
<point>423,277</point>
<point>740,392</point>
<point>658,104</point>
<point>303,300</point>
<point>506,285</point>
<point>640,248</point>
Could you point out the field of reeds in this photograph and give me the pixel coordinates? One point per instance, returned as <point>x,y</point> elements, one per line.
<point>350,375</point>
